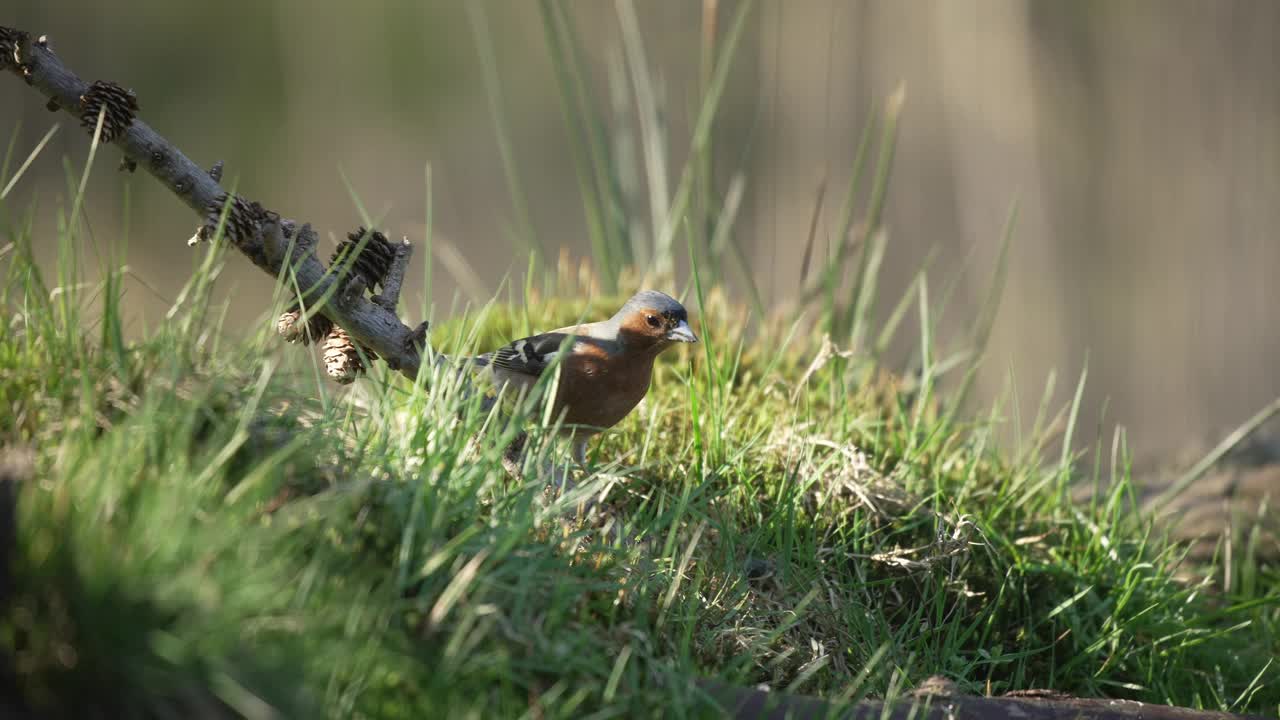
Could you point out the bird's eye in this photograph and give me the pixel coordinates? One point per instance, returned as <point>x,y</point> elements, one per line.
<point>652,320</point>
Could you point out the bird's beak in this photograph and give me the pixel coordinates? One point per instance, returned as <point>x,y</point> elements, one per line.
<point>682,333</point>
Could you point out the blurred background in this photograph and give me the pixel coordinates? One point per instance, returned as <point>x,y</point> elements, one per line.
<point>1138,138</point>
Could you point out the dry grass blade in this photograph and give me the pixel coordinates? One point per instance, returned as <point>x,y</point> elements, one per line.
<point>814,219</point>
<point>455,590</point>
<point>826,354</point>
<point>27,163</point>
<point>1230,441</point>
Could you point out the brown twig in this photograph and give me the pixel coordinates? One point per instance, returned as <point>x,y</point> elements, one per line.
<point>390,295</point>
<point>260,234</point>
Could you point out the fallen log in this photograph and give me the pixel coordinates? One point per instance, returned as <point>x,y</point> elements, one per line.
<point>926,704</point>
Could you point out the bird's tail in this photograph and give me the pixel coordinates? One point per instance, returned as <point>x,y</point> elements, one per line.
<point>463,368</point>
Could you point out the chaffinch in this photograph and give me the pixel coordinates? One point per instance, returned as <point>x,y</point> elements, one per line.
<point>605,366</point>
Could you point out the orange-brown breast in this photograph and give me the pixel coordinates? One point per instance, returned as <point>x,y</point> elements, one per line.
<point>597,389</point>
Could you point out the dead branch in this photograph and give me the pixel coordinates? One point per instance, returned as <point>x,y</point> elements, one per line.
<point>269,241</point>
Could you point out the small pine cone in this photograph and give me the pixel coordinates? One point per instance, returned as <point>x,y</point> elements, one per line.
<point>10,47</point>
<point>244,218</point>
<point>289,325</point>
<point>292,329</point>
<point>121,107</point>
<point>342,360</point>
<point>374,261</point>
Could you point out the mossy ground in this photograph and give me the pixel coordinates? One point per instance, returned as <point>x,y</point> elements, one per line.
<point>204,526</point>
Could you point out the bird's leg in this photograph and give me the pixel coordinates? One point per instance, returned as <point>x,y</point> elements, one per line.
<point>513,456</point>
<point>513,463</point>
<point>560,476</point>
<point>580,451</point>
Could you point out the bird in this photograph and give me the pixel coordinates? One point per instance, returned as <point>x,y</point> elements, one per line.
<point>605,367</point>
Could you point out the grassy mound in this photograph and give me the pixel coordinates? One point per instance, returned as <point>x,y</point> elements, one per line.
<point>202,526</point>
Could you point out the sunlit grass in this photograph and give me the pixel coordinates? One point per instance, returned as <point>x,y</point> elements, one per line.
<point>199,531</point>
<point>205,528</point>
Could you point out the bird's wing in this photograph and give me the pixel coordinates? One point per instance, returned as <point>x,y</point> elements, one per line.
<point>528,356</point>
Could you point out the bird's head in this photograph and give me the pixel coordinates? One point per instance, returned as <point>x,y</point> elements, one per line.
<point>653,320</point>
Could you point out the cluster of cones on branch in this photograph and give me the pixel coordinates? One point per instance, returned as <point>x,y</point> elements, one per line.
<point>367,255</point>
<point>109,109</point>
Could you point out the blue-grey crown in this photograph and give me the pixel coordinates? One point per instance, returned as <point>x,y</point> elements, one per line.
<point>654,300</point>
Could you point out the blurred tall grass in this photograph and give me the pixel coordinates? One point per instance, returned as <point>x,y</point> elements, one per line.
<point>1136,139</point>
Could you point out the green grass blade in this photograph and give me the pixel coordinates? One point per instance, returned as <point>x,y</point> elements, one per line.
<point>497,109</point>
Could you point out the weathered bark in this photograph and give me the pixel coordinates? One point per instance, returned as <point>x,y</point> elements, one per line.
<point>749,704</point>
